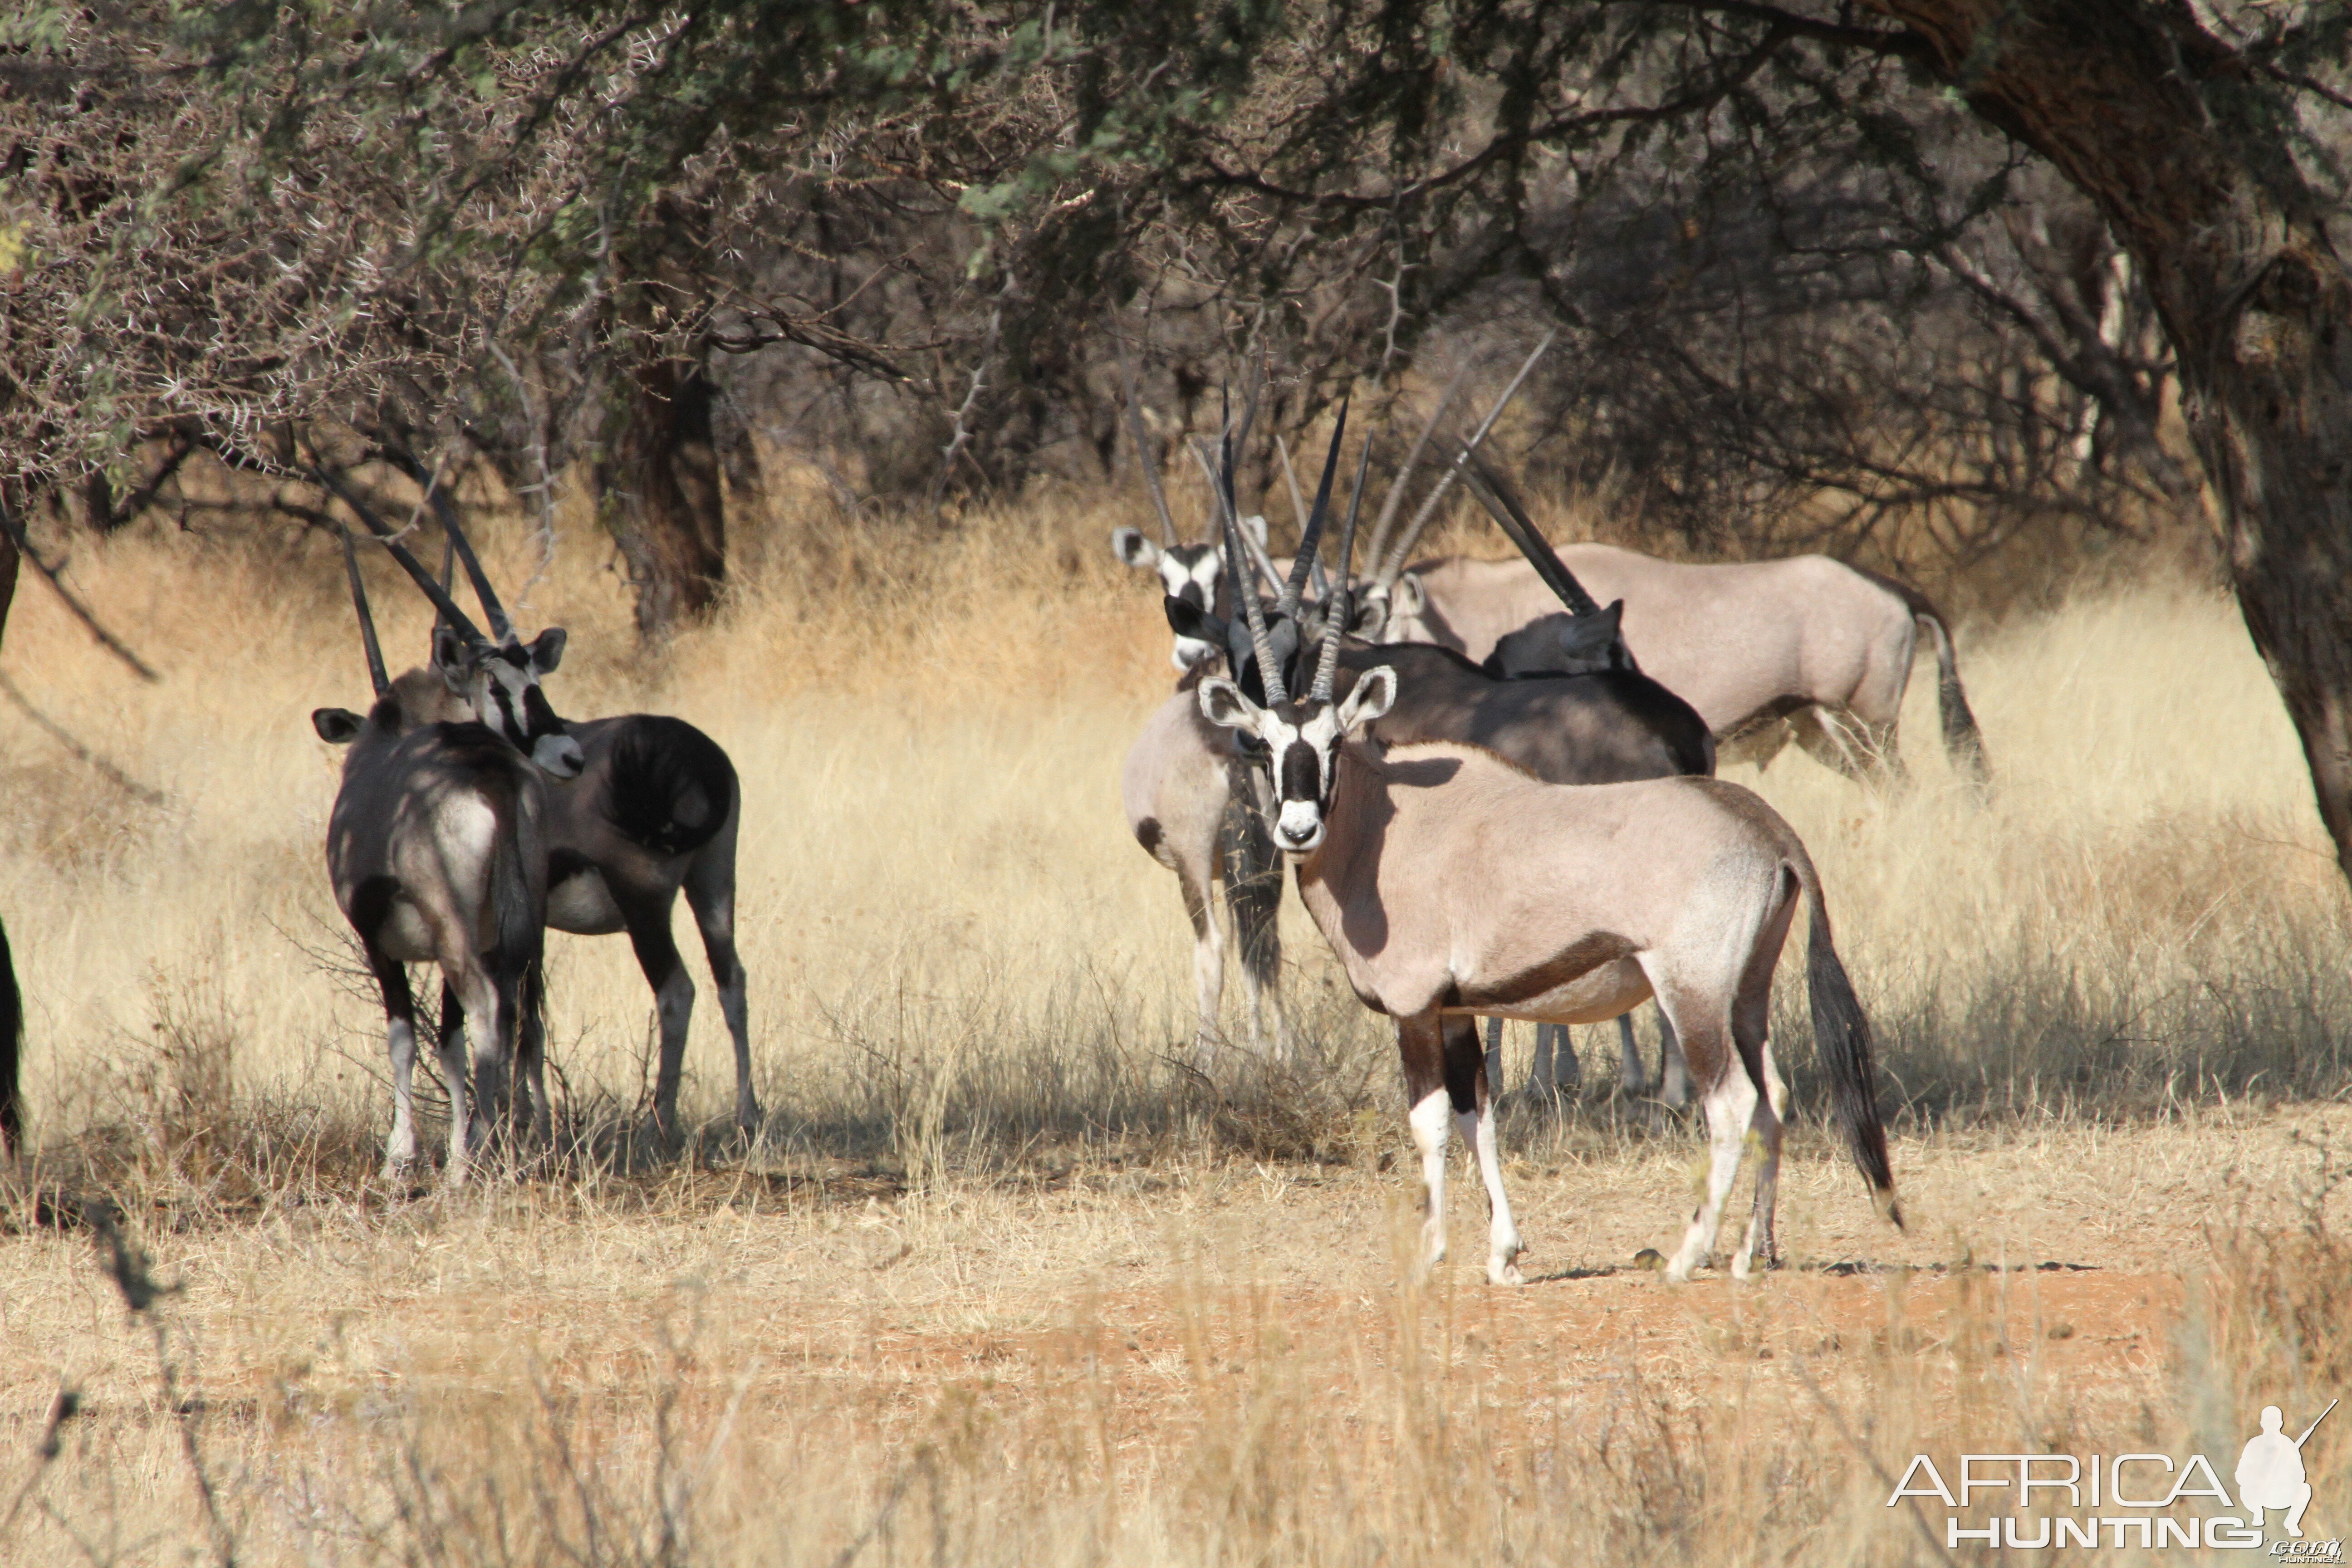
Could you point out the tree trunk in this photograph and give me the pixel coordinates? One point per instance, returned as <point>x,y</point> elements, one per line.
<point>2183,146</point>
<point>8,568</point>
<point>658,482</point>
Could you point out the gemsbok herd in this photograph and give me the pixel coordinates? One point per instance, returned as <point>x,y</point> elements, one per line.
<point>1492,783</point>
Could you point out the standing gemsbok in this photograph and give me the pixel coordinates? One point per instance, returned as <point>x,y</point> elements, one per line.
<point>1451,884</point>
<point>1597,719</point>
<point>654,808</point>
<point>436,850</point>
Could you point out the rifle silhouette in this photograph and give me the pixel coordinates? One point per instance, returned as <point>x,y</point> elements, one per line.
<point>2315,1425</point>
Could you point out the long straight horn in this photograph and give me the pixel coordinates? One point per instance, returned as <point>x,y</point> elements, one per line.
<point>1269,673</point>
<point>1336,609</point>
<point>1298,511</point>
<point>1397,485</point>
<point>1311,541</point>
<point>408,562</point>
<point>1221,480</point>
<point>446,511</point>
<point>1143,457</point>
<point>1394,562</point>
<point>1503,504</point>
<point>376,676</point>
<point>448,574</point>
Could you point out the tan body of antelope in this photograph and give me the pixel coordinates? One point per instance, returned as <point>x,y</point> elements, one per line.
<point>437,852</point>
<point>1450,884</point>
<point>1192,804</point>
<point>1805,649</point>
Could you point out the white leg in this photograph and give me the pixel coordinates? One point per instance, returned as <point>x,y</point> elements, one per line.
<point>1776,1087</point>
<point>734,1006</point>
<point>714,917</point>
<point>1430,1121</point>
<point>1208,974</point>
<point>488,1033</point>
<point>1631,1078</point>
<point>1502,1237</point>
<point>400,1150</point>
<point>1761,1243</point>
<point>1730,1105</point>
<point>455,1079</point>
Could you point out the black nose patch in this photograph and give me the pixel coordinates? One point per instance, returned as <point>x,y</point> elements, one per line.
<point>1302,773</point>
<point>1191,594</point>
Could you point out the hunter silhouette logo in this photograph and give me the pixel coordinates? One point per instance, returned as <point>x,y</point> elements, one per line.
<point>2270,1472</point>
<point>2045,1501</point>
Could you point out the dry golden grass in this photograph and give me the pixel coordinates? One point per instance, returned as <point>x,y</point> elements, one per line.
<point>1001,1282</point>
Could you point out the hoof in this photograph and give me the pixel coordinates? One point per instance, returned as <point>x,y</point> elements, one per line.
<point>1504,1271</point>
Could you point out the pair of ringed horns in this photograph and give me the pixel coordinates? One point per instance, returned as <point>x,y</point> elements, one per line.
<point>436,496</point>
<point>1337,606</point>
<point>1302,563</point>
<point>443,604</point>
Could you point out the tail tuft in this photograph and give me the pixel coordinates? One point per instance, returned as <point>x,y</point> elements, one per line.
<point>1842,1034</point>
<point>1963,742</point>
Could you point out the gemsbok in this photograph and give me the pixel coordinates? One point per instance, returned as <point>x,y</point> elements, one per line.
<point>1451,883</point>
<point>435,848</point>
<point>655,808</point>
<point>1606,724</point>
<point>1805,649</point>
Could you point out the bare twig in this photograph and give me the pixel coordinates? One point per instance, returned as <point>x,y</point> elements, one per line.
<point>81,754</point>
<point>14,528</point>
<point>962,434</point>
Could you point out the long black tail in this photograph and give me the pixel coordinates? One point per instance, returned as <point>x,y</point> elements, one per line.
<point>518,933</point>
<point>1842,1035</point>
<point>1963,742</point>
<point>1252,887</point>
<point>12,1040</point>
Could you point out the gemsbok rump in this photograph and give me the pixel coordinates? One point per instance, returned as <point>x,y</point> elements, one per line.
<point>436,851</point>
<point>1451,883</point>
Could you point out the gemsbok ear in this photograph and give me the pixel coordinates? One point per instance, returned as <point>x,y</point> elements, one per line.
<point>1187,619</point>
<point>548,651</point>
<point>452,657</point>
<point>1373,694</point>
<point>1130,545</point>
<point>1406,599</point>
<point>1221,703</point>
<point>1587,640</point>
<point>337,726</point>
